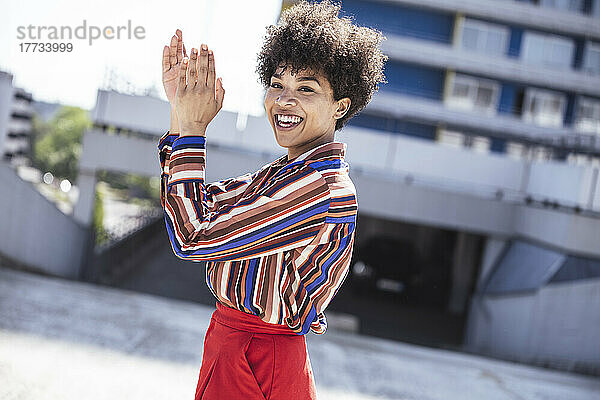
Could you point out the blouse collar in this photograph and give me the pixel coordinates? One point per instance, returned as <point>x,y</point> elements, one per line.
<point>323,151</point>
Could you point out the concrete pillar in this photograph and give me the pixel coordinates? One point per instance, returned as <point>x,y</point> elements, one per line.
<point>464,266</point>
<point>6,102</point>
<point>84,208</point>
<point>477,326</point>
<point>491,251</point>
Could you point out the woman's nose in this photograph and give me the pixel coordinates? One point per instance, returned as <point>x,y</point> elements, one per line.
<point>285,98</point>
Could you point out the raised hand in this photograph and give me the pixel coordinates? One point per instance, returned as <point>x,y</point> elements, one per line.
<point>172,57</point>
<point>198,98</point>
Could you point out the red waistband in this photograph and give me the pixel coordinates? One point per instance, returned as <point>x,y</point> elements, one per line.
<point>243,321</point>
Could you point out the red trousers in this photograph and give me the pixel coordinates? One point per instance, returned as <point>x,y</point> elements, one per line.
<point>247,358</point>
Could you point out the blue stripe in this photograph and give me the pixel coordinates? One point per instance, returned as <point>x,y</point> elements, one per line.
<point>197,142</point>
<point>198,207</point>
<point>309,319</point>
<point>250,279</point>
<point>328,164</point>
<point>334,220</point>
<point>289,166</point>
<point>257,250</point>
<point>344,198</point>
<point>325,267</point>
<point>167,140</point>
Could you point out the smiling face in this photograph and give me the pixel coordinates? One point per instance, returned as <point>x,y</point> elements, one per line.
<point>302,110</point>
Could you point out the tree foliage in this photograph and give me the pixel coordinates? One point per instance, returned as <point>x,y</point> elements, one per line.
<point>135,186</point>
<point>57,142</point>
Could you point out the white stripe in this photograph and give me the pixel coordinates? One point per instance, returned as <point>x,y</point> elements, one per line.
<point>223,279</point>
<point>274,317</point>
<point>193,174</point>
<point>191,213</point>
<point>188,150</point>
<point>255,298</point>
<point>230,194</point>
<point>313,177</point>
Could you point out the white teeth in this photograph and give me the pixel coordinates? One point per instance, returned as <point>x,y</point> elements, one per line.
<point>288,118</point>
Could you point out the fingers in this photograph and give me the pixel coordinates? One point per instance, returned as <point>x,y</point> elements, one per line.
<point>203,64</point>
<point>193,66</point>
<point>173,51</point>
<point>200,68</point>
<point>179,34</point>
<point>220,93</point>
<point>210,77</point>
<point>166,64</point>
<point>182,73</point>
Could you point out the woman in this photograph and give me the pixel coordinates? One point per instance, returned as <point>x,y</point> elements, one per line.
<point>277,242</point>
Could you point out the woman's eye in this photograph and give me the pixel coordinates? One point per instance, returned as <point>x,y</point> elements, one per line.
<point>303,88</point>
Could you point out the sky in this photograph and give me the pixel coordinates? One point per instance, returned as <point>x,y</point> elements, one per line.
<point>234,29</point>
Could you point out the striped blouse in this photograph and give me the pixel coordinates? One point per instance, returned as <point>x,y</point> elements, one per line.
<point>277,242</point>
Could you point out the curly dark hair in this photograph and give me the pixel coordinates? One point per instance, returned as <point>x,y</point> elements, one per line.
<point>313,36</point>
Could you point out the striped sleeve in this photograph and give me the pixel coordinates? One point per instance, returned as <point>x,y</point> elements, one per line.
<point>164,149</point>
<point>217,194</point>
<point>283,215</point>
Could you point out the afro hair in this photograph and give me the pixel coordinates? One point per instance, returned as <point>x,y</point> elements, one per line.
<point>312,36</point>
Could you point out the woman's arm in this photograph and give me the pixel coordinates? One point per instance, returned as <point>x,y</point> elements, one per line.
<point>174,125</point>
<point>224,192</point>
<point>287,213</point>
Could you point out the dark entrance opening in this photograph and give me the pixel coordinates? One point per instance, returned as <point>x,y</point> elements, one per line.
<point>403,279</point>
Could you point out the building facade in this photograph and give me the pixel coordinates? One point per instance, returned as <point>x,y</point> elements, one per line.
<point>520,78</point>
<point>16,113</point>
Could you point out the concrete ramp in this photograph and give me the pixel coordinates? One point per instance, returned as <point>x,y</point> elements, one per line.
<point>34,233</point>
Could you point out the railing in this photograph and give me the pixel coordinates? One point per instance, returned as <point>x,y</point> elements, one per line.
<point>128,226</point>
<point>120,257</point>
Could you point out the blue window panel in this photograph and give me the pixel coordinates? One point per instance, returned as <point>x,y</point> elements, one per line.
<point>560,154</point>
<point>524,267</point>
<point>401,20</point>
<point>415,129</point>
<point>576,268</point>
<point>578,57</point>
<point>569,110</point>
<point>391,125</point>
<point>514,45</point>
<point>497,145</point>
<point>508,93</point>
<point>370,121</point>
<point>414,80</point>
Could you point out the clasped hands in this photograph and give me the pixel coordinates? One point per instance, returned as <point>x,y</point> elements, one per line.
<point>190,85</point>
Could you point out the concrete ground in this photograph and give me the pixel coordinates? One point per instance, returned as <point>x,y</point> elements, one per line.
<point>62,339</point>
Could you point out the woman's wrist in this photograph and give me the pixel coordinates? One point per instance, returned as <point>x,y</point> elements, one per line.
<point>192,128</point>
<point>174,126</point>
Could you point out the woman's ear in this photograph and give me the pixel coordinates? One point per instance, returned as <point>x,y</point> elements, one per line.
<point>343,107</point>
